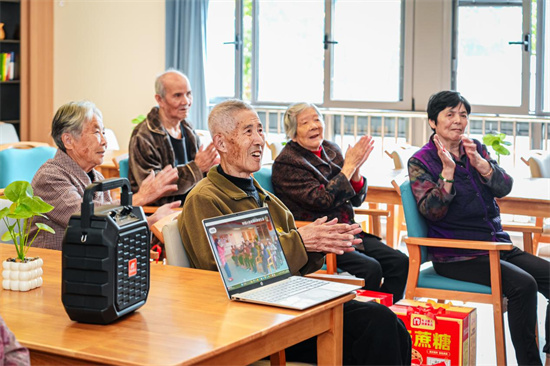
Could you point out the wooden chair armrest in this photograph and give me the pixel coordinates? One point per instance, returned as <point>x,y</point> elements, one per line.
<point>459,244</point>
<point>526,161</point>
<point>522,228</point>
<point>398,180</point>
<point>371,212</point>
<point>23,145</point>
<point>337,278</point>
<point>157,226</point>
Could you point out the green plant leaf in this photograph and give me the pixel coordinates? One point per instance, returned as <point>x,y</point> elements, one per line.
<point>36,205</point>
<point>489,139</point>
<point>18,190</point>
<point>21,212</point>
<point>4,212</point>
<point>501,150</point>
<point>6,236</point>
<point>507,143</point>
<point>139,119</point>
<point>23,208</point>
<point>500,136</point>
<point>45,227</point>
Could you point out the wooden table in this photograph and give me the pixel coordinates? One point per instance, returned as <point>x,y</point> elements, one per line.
<point>529,197</point>
<point>187,320</point>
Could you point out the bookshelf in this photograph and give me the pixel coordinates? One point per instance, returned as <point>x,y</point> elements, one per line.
<point>10,90</point>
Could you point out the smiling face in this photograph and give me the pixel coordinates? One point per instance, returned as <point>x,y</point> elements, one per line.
<point>451,124</point>
<point>88,149</point>
<point>309,129</point>
<point>174,106</point>
<point>241,148</point>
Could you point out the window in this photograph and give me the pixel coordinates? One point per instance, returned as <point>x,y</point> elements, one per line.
<point>497,63</point>
<point>220,50</point>
<point>330,52</point>
<point>289,51</point>
<point>367,63</point>
<point>543,49</point>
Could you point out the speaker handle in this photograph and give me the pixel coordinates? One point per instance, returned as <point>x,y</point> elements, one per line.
<point>87,208</point>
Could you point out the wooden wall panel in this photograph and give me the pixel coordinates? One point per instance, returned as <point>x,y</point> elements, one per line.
<point>36,69</point>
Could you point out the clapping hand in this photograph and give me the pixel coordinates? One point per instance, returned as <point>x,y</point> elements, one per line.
<point>156,185</point>
<point>330,236</point>
<point>356,157</point>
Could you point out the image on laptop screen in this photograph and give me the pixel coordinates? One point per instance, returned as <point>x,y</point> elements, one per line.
<point>246,247</point>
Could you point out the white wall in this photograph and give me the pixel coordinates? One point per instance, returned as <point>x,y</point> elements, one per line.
<point>109,52</point>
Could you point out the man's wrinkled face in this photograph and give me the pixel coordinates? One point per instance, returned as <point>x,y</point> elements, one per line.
<point>178,98</point>
<point>244,145</point>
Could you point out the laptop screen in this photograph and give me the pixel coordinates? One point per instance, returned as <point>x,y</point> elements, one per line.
<point>247,249</point>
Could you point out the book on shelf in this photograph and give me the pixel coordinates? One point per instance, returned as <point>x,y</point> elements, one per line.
<point>9,66</point>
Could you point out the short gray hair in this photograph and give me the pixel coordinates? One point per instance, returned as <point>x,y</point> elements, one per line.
<point>291,114</point>
<point>160,89</point>
<point>222,116</point>
<point>70,118</point>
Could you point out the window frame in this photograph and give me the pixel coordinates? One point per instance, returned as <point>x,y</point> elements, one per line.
<point>406,99</point>
<point>523,108</point>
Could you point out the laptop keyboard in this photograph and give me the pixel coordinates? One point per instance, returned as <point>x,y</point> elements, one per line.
<point>282,290</point>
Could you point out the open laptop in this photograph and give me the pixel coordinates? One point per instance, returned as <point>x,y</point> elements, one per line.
<point>254,268</point>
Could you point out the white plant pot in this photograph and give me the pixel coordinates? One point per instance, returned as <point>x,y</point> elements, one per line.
<point>22,276</point>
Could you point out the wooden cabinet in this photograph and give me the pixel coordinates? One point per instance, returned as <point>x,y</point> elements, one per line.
<point>28,102</point>
<point>10,90</point>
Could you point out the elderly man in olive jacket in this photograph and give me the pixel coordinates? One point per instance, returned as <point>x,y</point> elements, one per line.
<point>373,335</point>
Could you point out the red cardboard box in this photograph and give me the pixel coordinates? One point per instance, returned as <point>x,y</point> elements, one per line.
<point>379,297</point>
<point>442,334</point>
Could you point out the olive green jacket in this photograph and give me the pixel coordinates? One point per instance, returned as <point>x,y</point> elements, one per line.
<point>215,196</point>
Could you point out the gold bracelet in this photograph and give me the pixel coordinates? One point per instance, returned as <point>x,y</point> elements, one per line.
<point>488,174</point>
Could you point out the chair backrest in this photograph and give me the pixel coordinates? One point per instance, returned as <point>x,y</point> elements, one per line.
<point>263,176</point>
<point>8,134</point>
<point>123,168</point>
<point>22,164</point>
<point>540,166</point>
<point>121,163</point>
<point>401,155</point>
<point>416,224</point>
<point>175,252</point>
<point>275,147</point>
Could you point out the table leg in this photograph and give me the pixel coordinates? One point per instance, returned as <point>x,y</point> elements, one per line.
<point>330,343</point>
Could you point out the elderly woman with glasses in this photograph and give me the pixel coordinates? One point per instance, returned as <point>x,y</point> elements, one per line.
<point>314,179</point>
<point>77,129</point>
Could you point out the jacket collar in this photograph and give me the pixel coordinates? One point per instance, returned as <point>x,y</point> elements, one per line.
<point>63,159</point>
<point>154,124</point>
<point>225,185</point>
<point>327,153</point>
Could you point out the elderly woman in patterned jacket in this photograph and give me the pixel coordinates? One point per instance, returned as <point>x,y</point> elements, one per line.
<point>313,179</point>
<point>77,129</point>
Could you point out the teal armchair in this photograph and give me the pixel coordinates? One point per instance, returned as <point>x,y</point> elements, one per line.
<point>22,164</point>
<point>425,282</point>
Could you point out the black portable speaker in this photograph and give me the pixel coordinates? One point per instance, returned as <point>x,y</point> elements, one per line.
<point>105,270</point>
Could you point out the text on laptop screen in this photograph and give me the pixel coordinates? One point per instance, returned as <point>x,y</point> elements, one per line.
<point>247,248</point>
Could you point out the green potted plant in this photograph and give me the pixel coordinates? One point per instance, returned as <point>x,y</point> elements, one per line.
<point>22,273</point>
<point>496,141</point>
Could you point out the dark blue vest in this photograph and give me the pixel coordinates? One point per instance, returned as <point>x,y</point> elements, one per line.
<point>473,213</point>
